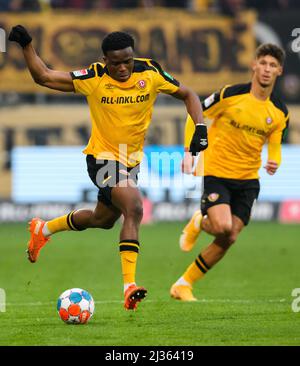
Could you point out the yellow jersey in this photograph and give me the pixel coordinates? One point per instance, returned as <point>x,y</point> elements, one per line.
<point>241,125</point>
<point>121,111</point>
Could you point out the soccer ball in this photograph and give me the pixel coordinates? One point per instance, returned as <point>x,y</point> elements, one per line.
<point>75,306</point>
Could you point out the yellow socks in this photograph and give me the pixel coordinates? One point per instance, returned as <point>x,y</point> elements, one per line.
<point>62,223</point>
<point>196,270</point>
<point>129,250</point>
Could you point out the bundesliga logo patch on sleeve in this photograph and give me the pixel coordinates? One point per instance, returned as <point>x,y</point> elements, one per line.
<point>82,72</point>
<point>209,100</point>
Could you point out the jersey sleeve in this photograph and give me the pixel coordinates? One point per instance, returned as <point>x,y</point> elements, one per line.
<point>214,104</point>
<point>85,81</point>
<point>165,83</point>
<point>276,138</point>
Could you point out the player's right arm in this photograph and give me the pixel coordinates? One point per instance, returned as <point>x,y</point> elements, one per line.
<point>41,74</point>
<point>275,141</point>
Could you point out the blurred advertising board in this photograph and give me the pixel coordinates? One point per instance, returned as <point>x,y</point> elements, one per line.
<point>153,212</point>
<point>68,125</point>
<point>51,181</point>
<point>203,51</point>
<point>58,174</point>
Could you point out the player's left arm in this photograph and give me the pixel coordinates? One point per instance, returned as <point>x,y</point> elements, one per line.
<point>192,102</point>
<point>165,83</point>
<point>187,163</point>
<point>274,147</point>
<point>193,105</point>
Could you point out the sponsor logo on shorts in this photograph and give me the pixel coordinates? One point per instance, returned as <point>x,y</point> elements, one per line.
<point>212,197</point>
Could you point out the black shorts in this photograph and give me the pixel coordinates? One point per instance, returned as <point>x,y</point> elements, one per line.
<point>106,174</point>
<point>239,194</point>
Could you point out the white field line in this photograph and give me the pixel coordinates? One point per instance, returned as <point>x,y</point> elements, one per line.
<point>229,301</point>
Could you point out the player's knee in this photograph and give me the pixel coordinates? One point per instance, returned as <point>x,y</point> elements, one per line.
<point>222,228</point>
<point>226,241</point>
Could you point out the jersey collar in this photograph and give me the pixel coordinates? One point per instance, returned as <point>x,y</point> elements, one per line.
<point>122,85</point>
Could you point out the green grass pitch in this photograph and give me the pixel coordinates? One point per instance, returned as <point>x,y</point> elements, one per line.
<point>245,300</point>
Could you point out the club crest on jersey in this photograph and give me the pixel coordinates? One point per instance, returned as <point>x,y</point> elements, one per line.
<point>269,120</point>
<point>141,84</point>
<point>82,72</point>
<point>212,197</point>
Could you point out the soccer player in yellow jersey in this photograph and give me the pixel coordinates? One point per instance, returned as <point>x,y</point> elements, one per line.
<point>244,118</point>
<point>120,93</point>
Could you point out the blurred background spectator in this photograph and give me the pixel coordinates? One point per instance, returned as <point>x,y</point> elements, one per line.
<point>20,5</point>
<point>231,7</point>
<point>5,5</point>
<point>226,7</point>
<point>276,5</point>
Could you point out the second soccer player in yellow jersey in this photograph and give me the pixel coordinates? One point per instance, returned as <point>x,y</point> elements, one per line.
<point>244,118</point>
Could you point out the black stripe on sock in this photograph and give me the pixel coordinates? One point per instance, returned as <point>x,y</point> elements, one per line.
<point>128,248</point>
<point>202,269</point>
<point>130,241</point>
<point>203,261</point>
<point>68,221</point>
<point>72,222</point>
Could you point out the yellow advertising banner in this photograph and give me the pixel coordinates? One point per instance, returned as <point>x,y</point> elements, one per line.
<point>203,51</point>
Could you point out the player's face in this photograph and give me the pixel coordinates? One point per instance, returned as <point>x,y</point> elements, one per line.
<point>120,64</point>
<point>266,69</point>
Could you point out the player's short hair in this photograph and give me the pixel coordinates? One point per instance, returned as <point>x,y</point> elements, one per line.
<point>269,49</point>
<point>117,41</point>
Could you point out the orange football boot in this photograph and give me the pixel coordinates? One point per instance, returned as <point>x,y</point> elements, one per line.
<point>133,295</point>
<point>182,292</point>
<point>37,239</point>
<point>191,232</point>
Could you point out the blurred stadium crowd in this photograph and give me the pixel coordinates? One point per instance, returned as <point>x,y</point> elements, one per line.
<point>227,7</point>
